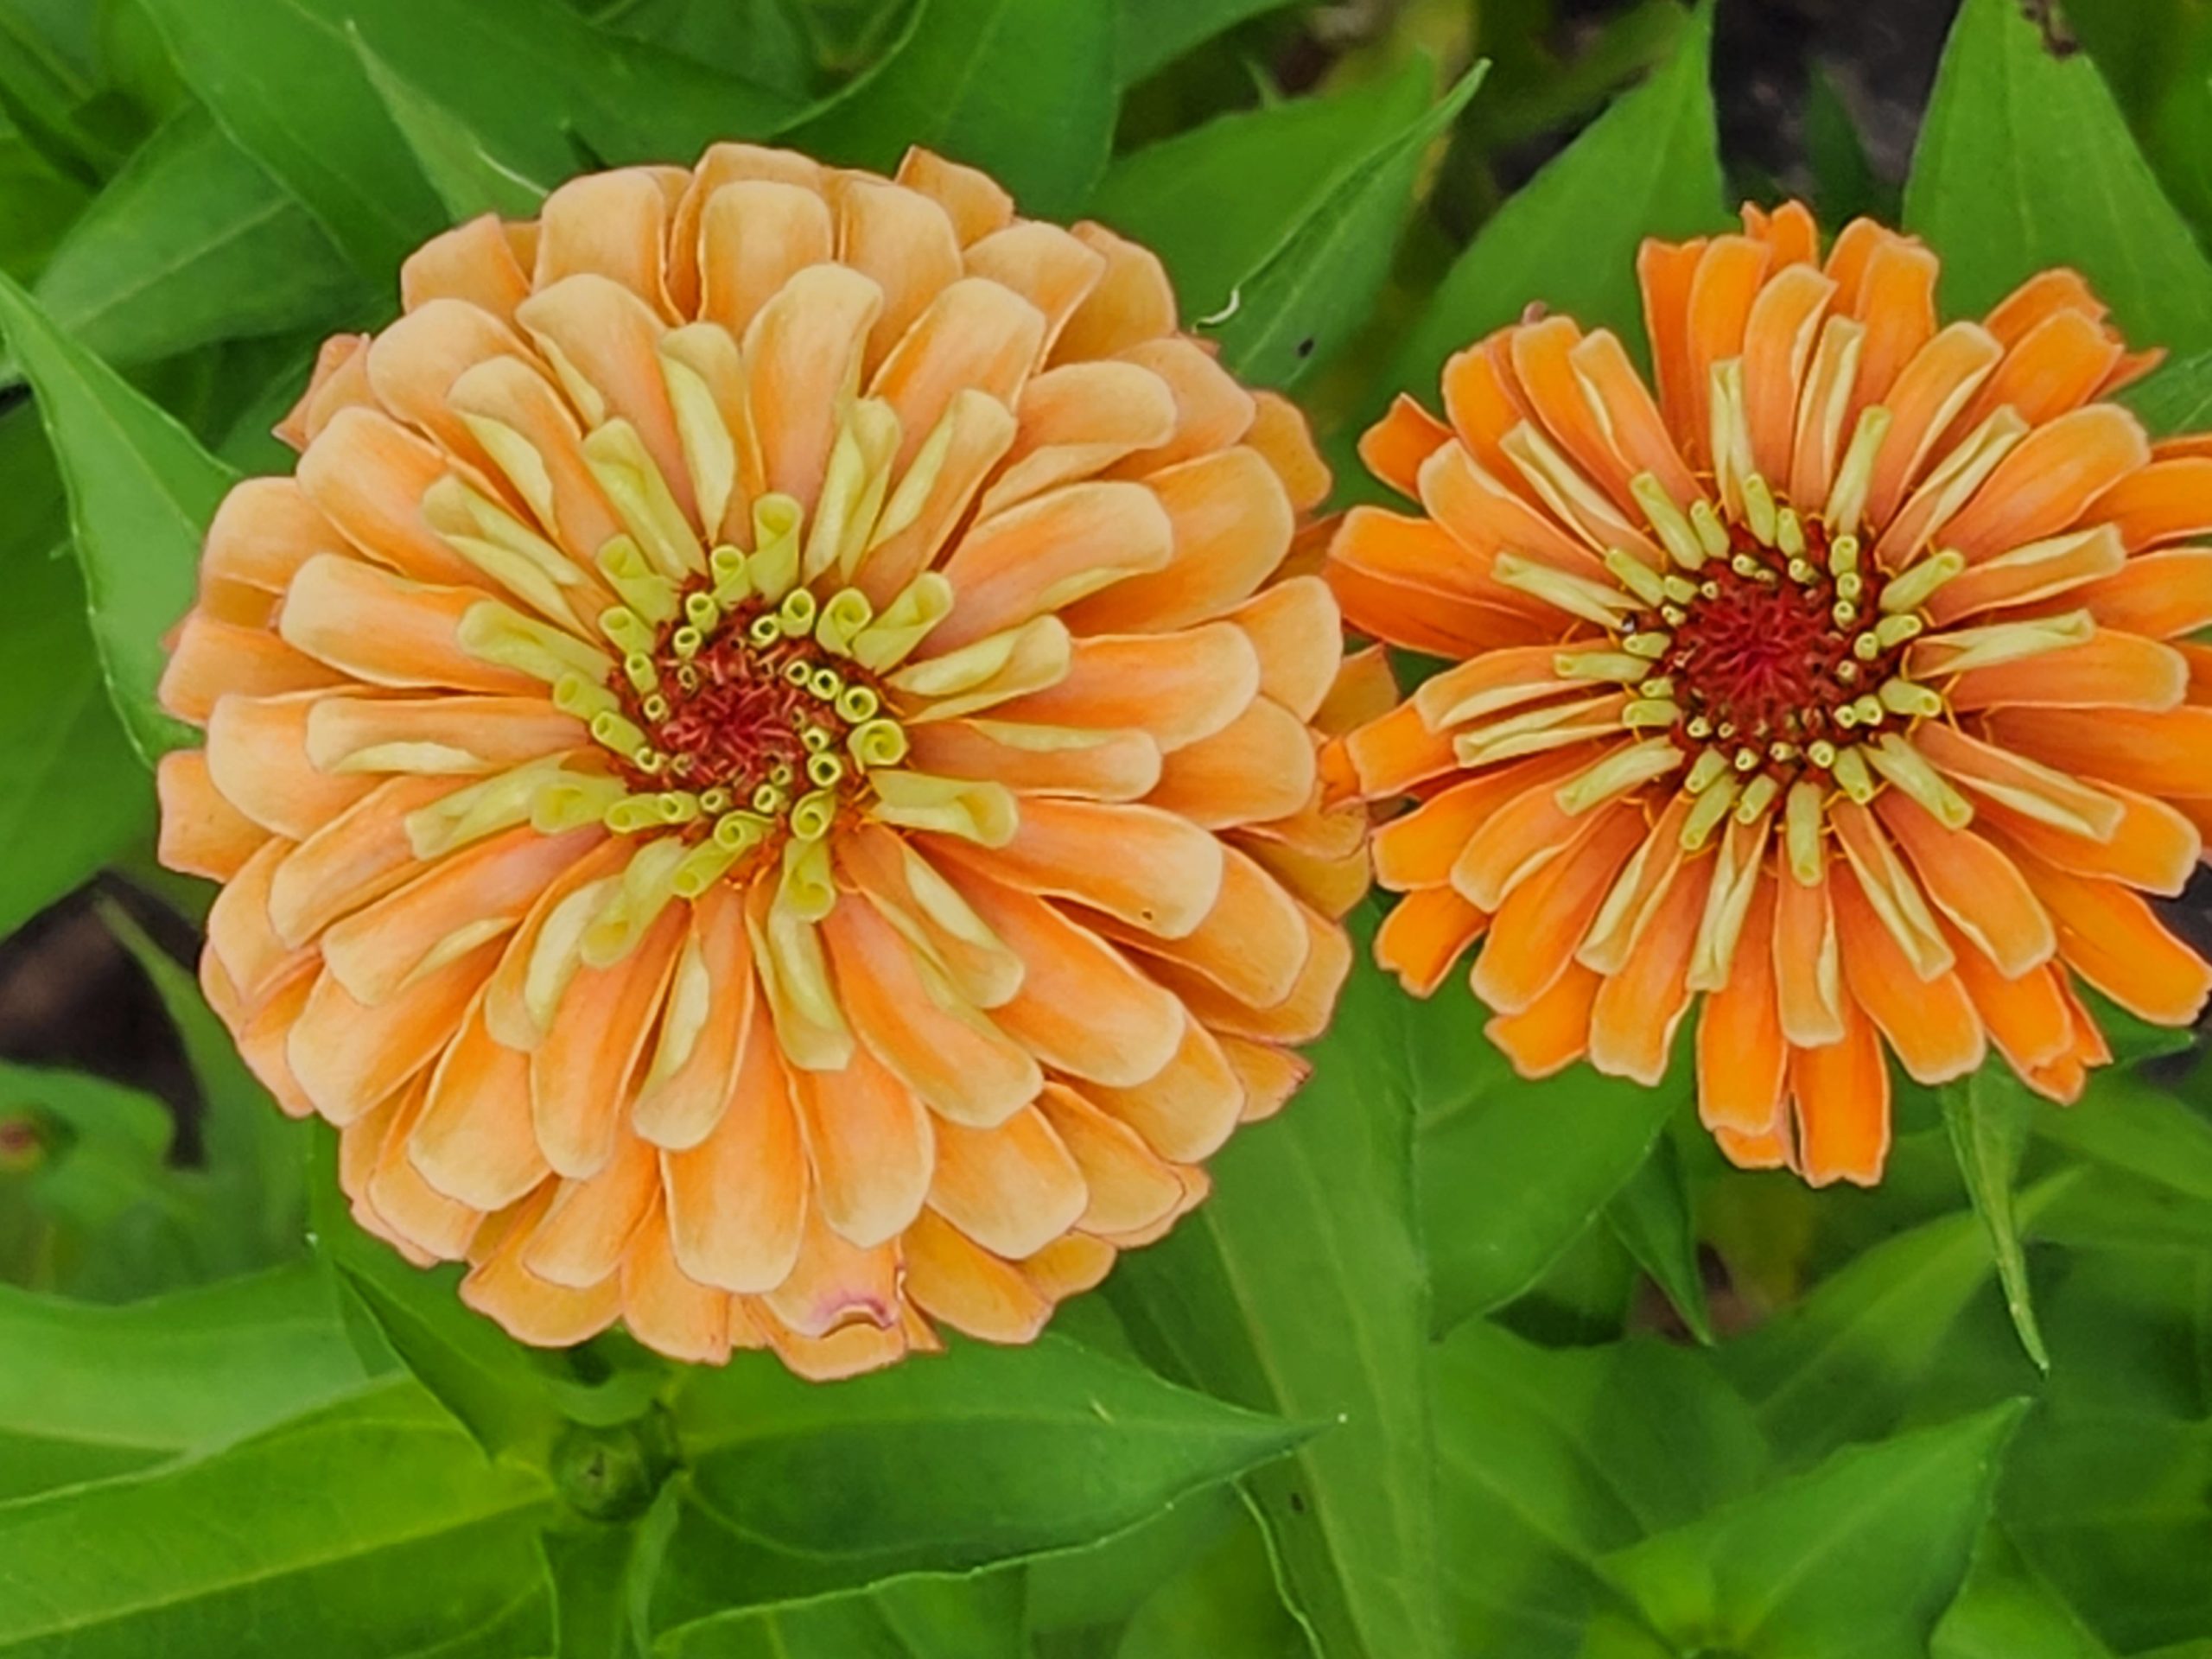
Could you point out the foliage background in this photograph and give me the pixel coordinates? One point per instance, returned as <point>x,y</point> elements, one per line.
<point>1451,1365</point>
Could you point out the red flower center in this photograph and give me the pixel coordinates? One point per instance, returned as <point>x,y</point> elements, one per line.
<point>1764,652</point>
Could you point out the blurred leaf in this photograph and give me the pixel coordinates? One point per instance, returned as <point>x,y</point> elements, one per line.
<point>2130,1124</point>
<point>1309,298</point>
<point>1548,1459</point>
<point>1152,34</point>
<point>2112,1509</point>
<point>191,243</point>
<point>1513,1170</point>
<point>985,1457</point>
<point>91,1208</point>
<point>76,796</point>
<point>2007,1611</point>
<point>1842,1364</point>
<point>1859,1555</point>
<point>468,178</point>
<point>140,492</point>
<point>48,87</point>
<point>250,1151</point>
<point>1845,185</point>
<point>1012,86</point>
<point>1222,1605</point>
<point>1649,166</point>
<point>1216,202</point>
<point>42,205</point>
<point>2157,56</point>
<point>1987,1115</point>
<point>916,1617</point>
<point>760,40</point>
<point>2025,162</point>
<point>2176,398</point>
<point>1536,93</point>
<point>368,1529</point>
<point>90,1391</point>
<point>1651,1216</point>
<point>1298,1288</point>
<point>493,1386</point>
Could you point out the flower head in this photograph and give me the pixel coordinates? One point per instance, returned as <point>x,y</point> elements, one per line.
<point>1841,685</point>
<point>763,765</point>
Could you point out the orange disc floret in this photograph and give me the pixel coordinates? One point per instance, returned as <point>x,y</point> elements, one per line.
<point>1839,689</point>
<point>764,764</point>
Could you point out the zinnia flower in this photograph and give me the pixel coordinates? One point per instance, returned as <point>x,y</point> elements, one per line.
<point>1841,686</point>
<point>763,765</point>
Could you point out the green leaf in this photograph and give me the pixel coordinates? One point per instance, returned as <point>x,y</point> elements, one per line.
<point>494,1386</point>
<point>91,1208</point>
<point>468,178</point>
<point>2177,398</point>
<point>2127,1123</point>
<point>1081,1590</point>
<point>1294,312</point>
<point>1859,1555</point>
<point>1843,1363</point>
<point>190,244</point>
<point>1649,166</point>
<point>984,1457</point>
<point>763,40</point>
<point>1151,33</point>
<point>2110,1507</point>
<point>1222,1605</point>
<point>2023,163</point>
<point>1512,1172</point>
<point>368,1529</point>
<point>250,1151</point>
<point>1987,1115</point>
<point>1548,1459</point>
<point>2006,1610</point>
<point>918,1618</point>
<point>1217,202</point>
<point>1651,1216</point>
<point>42,203</point>
<point>75,798</point>
<point>48,89</point>
<point>90,1391</point>
<point>1298,1288</point>
<point>2157,56</point>
<point>337,151</point>
<point>1012,86</point>
<point>141,493</point>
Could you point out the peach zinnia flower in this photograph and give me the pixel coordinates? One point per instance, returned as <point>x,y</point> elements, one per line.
<point>764,763</point>
<point>1838,685</point>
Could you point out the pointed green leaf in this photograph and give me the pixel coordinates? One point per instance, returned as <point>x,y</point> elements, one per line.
<point>1549,1459</point>
<point>368,1529</point>
<point>983,1457</point>
<point>1651,1216</point>
<point>468,177</point>
<point>1861,1556</point>
<point>916,1617</point>
<point>1217,202</point>
<point>2127,1123</point>
<point>1987,1115</point>
<point>1012,87</point>
<point>190,244</point>
<point>1296,310</point>
<point>2025,162</point>
<point>90,1391</point>
<point>141,493</point>
<point>1843,1363</point>
<point>2005,1610</point>
<point>1298,1288</point>
<point>1513,1171</point>
<point>1649,166</point>
<point>2177,398</point>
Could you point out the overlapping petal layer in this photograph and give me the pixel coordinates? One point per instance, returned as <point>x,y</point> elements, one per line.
<point>764,765</point>
<point>1838,691</point>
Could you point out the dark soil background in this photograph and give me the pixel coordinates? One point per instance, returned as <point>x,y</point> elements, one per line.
<point>70,995</point>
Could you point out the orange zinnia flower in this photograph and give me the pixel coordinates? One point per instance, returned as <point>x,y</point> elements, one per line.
<point>1840,684</point>
<point>763,765</point>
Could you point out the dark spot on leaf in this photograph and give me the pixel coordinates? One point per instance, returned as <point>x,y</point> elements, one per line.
<point>2058,37</point>
<point>1297,1501</point>
<point>1305,346</point>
